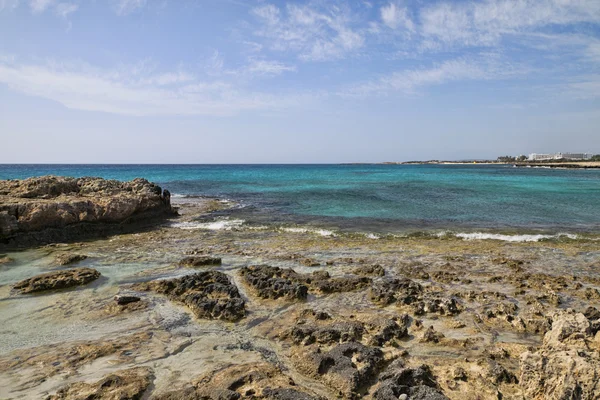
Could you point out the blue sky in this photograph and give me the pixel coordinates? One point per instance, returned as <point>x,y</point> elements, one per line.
<point>217,81</point>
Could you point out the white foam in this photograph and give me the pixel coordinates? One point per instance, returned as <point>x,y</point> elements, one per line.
<point>372,236</point>
<point>322,232</point>
<point>509,238</point>
<point>222,224</point>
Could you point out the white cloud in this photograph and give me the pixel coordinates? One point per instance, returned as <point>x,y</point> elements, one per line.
<point>265,67</point>
<point>395,16</point>
<point>317,35</point>
<point>38,6</point>
<point>8,4</point>
<point>124,7</point>
<point>65,9</point>
<point>486,22</point>
<point>85,88</point>
<point>410,80</point>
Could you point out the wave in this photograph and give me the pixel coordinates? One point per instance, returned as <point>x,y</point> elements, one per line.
<point>220,224</point>
<point>509,238</point>
<point>322,232</point>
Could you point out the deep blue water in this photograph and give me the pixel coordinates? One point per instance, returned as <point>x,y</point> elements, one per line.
<point>376,197</point>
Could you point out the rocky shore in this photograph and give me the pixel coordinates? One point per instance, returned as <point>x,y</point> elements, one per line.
<point>174,313</point>
<point>58,209</point>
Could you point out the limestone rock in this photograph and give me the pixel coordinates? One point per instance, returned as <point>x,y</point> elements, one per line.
<point>208,294</point>
<point>127,384</point>
<point>412,383</point>
<point>57,280</point>
<point>67,258</point>
<point>567,366</point>
<point>39,210</point>
<point>199,261</point>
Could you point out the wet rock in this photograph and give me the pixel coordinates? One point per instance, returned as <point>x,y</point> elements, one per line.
<point>591,294</point>
<point>347,367</point>
<point>369,270</point>
<point>439,305</point>
<point>413,383</point>
<point>5,259</point>
<point>459,374</point>
<point>57,280</point>
<point>386,330</point>
<point>274,282</point>
<point>66,259</point>
<point>127,384</point>
<point>123,299</point>
<point>567,366</point>
<point>208,294</point>
<point>49,208</point>
<point>199,261</point>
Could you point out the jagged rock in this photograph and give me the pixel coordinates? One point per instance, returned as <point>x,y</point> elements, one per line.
<point>432,336</point>
<point>127,384</point>
<point>5,259</point>
<point>404,291</point>
<point>338,332</point>
<point>66,259</point>
<point>199,261</point>
<point>256,381</point>
<point>567,366</point>
<point>208,294</point>
<point>309,262</point>
<point>498,374</point>
<point>396,290</point>
<point>57,280</point>
<point>369,270</point>
<point>412,383</point>
<point>49,208</point>
<point>592,313</point>
<point>347,367</point>
<point>274,282</point>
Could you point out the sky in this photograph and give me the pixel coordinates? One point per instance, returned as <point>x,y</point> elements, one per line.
<point>240,81</point>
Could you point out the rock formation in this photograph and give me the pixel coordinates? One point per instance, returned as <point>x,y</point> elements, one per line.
<point>57,280</point>
<point>46,209</point>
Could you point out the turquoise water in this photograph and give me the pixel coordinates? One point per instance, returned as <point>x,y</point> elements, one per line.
<point>376,197</point>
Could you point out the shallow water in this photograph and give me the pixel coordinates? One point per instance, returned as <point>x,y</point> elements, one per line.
<point>376,198</point>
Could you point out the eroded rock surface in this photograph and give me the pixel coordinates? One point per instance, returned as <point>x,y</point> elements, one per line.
<point>567,366</point>
<point>399,381</point>
<point>273,282</point>
<point>199,261</point>
<point>57,280</point>
<point>68,258</point>
<point>39,210</point>
<point>128,384</point>
<point>208,294</point>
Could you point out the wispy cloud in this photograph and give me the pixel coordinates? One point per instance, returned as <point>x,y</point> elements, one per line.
<point>396,16</point>
<point>124,7</point>
<point>316,34</point>
<point>86,88</point>
<point>410,80</point>
<point>38,6</point>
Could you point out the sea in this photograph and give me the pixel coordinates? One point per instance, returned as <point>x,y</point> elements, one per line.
<point>475,201</point>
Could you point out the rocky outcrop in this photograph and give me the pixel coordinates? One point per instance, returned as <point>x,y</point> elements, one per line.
<point>208,294</point>
<point>273,282</point>
<point>567,366</point>
<point>46,209</point>
<point>67,258</point>
<point>57,280</point>
<point>244,381</point>
<point>199,261</point>
<point>127,384</point>
<point>400,382</point>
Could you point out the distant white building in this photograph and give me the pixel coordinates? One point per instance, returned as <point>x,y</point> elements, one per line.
<point>559,156</point>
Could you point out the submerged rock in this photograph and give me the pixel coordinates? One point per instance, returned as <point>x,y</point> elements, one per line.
<point>127,384</point>
<point>208,294</point>
<point>199,261</point>
<point>122,299</point>
<point>49,208</point>
<point>66,259</point>
<point>57,280</point>
<point>567,366</point>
